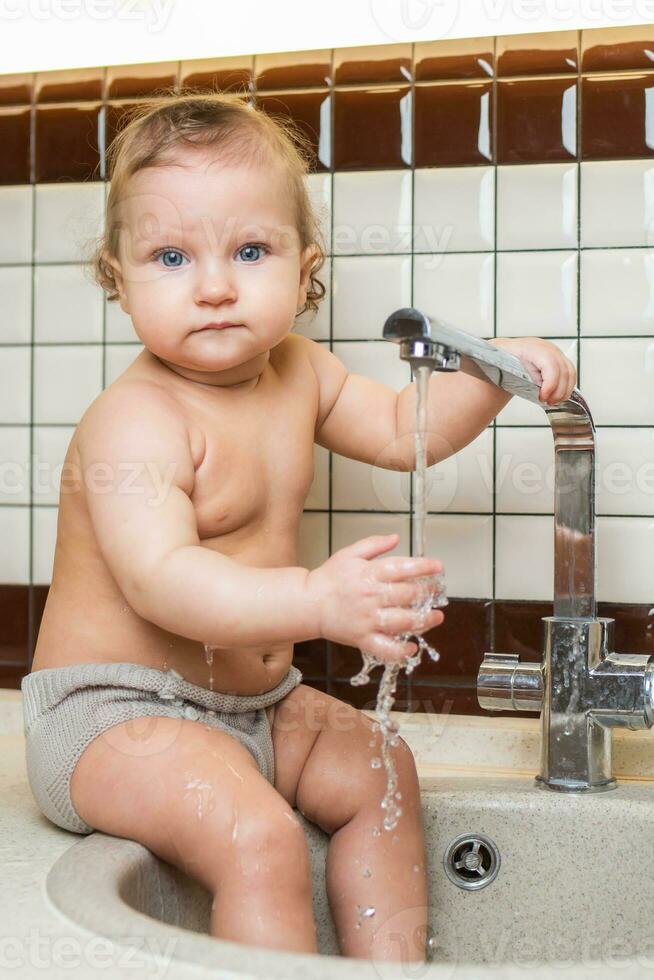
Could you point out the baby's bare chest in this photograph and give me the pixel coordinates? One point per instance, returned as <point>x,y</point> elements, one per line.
<point>256,467</point>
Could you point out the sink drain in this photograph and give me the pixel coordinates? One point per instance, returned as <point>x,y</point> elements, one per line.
<point>471,861</point>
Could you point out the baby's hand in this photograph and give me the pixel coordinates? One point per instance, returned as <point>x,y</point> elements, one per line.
<point>363,603</point>
<point>545,364</point>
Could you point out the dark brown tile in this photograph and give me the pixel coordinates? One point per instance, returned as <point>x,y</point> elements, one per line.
<point>67,143</point>
<point>311,110</point>
<point>519,628</point>
<point>72,85</point>
<point>318,684</point>
<point>310,657</point>
<point>39,598</point>
<point>551,53</point>
<point>617,116</point>
<point>459,58</point>
<point>372,128</point>
<point>372,64</point>
<point>617,48</point>
<point>435,698</point>
<point>115,118</point>
<point>14,606</point>
<point>224,74</point>
<point>12,675</point>
<point>462,639</point>
<point>293,69</point>
<point>633,631</point>
<point>453,124</point>
<point>536,120</point>
<point>365,696</point>
<point>16,89</point>
<point>130,81</point>
<point>15,143</point>
<point>345,661</point>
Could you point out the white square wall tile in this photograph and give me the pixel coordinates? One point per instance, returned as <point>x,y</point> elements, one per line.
<point>537,294</point>
<point>519,411</point>
<point>454,209</point>
<point>524,572</point>
<point>372,212</point>
<point>537,206</point>
<point>68,218</point>
<point>15,537</point>
<point>625,471</point>
<point>15,304</point>
<point>617,290</point>
<point>376,359</point>
<point>66,380</point>
<point>118,325</point>
<point>464,544</point>
<point>16,223</point>
<point>313,540</point>
<point>319,188</point>
<point>617,202</point>
<point>314,324</point>
<point>625,570</point>
<point>348,528</point>
<point>617,380</point>
<point>458,289</point>
<point>44,542</point>
<point>463,481</point>
<point>118,358</point>
<point>67,305</point>
<point>14,464</point>
<point>524,470</point>
<point>367,289</point>
<point>361,486</point>
<point>50,447</point>
<point>15,368</point>
<point>318,496</point>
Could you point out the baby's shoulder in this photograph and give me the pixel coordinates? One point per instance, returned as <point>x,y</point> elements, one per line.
<point>129,407</point>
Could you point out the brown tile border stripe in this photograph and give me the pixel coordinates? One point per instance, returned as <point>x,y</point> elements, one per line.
<point>472,627</point>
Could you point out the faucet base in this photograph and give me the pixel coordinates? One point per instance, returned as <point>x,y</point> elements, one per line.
<point>572,787</point>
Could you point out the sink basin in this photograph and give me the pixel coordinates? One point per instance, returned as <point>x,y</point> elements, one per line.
<point>555,881</point>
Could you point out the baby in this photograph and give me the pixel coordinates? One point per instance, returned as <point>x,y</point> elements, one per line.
<point>163,705</point>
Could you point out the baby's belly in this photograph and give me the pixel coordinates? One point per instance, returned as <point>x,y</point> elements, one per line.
<point>73,633</point>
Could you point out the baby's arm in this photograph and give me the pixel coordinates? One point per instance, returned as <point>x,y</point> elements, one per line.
<point>138,469</point>
<point>365,420</point>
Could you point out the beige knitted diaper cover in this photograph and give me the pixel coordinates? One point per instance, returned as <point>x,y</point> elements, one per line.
<point>65,708</point>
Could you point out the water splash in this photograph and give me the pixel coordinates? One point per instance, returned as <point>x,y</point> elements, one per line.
<point>208,656</point>
<point>431,595</point>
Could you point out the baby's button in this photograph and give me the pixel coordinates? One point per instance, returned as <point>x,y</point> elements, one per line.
<point>191,712</point>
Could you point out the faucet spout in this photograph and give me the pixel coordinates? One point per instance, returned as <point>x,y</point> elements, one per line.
<point>424,340</point>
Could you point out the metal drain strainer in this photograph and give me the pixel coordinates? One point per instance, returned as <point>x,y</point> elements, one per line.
<point>471,861</point>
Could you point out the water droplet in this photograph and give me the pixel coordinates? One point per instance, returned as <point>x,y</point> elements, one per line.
<point>367,873</point>
<point>375,763</point>
<point>376,832</point>
<point>416,867</point>
<point>398,795</point>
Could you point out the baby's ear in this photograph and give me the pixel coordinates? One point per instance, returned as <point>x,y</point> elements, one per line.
<point>114,265</point>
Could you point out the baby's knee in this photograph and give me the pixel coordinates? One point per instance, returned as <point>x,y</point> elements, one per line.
<point>272,840</point>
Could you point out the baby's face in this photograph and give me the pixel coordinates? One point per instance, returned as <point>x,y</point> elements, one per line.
<point>204,243</point>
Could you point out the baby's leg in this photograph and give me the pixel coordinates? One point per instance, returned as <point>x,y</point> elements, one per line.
<point>195,797</point>
<point>322,766</point>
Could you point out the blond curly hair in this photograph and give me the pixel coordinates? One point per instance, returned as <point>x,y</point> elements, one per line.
<point>153,130</point>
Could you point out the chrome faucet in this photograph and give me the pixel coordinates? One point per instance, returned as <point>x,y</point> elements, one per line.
<point>581,687</point>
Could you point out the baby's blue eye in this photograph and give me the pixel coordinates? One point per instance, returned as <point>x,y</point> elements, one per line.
<point>171,251</point>
<point>249,248</point>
